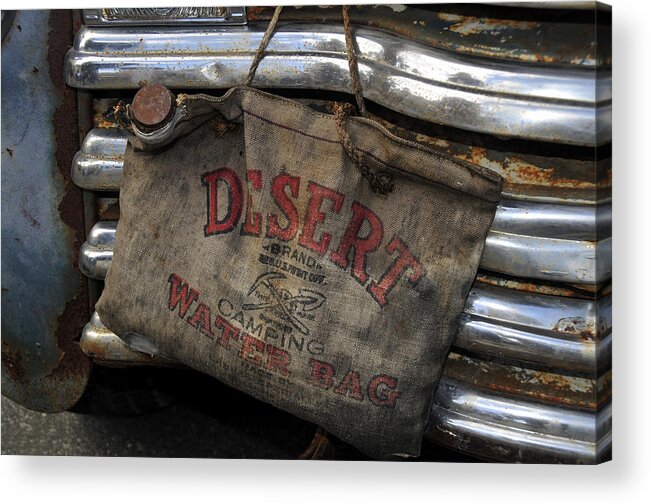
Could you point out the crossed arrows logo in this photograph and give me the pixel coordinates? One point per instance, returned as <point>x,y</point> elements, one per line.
<point>282,302</point>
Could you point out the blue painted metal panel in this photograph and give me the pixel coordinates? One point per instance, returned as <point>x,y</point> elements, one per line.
<point>41,366</point>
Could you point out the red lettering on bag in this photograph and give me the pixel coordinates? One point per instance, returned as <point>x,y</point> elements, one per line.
<point>181,295</point>
<point>228,332</point>
<point>278,185</point>
<point>253,221</point>
<point>388,395</point>
<point>277,360</point>
<point>250,345</point>
<point>362,221</point>
<point>314,216</point>
<point>405,261</point>
<point>234,185</point>
<point>201,320</point>
<point>362,246</point>
<point>350,386</point>
<point>322,373</point>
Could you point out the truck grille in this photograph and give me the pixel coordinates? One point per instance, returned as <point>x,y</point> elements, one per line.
<point>528,378</point>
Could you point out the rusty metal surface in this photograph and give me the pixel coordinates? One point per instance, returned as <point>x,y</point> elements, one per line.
<point>528,177</point>
<point>550,289</point>
<point>537,173</point>
<point>544,177</point>
<point>572,391</point>
<point>44,297</point>
<point>104,112</point>
<point>152,106</point>
<point>562,38</point>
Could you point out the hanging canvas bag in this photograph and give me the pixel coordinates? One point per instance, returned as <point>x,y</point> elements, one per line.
<point>314,261</point>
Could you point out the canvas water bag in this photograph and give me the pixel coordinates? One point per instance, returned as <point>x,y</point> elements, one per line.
<point>314,261</point>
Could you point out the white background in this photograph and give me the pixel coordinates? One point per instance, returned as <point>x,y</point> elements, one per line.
<point>627,478</point>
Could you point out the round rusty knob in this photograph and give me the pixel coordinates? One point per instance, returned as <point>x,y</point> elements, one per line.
<point>152,107</point>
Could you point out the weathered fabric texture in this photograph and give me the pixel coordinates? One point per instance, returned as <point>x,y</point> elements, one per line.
<point>251,248</point>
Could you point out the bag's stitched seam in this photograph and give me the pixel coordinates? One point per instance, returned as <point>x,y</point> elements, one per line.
<point>290,128</point>
<point>483,172</point>
<point>399,141</point>
<point>401,170</point>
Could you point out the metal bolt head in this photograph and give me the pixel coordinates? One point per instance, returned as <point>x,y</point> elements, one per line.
<point>152,107</point>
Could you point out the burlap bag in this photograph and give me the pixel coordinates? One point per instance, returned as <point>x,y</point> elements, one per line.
<point>255,248</point>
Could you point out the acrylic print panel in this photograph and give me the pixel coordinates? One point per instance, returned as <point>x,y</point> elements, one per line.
<point>511,89</point>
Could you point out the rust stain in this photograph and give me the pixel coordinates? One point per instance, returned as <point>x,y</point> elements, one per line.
<point>68,330</point>
<point>604,387</point>
<point>607,181</point>
<point>585,329</point>
<point>71,209</point>
<point>152,106</point>
<point>539,385</point>
<point>519,172</point>
<point>469,25</point>
<point>65,126</point>
<point>255,13</point>
<point>533,288</point>
<point>520,175</point>
<point>502,38</point>
<point>105,118</point>
<point>12,362</point>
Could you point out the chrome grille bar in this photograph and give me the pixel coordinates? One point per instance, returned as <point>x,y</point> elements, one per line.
<point>499,98</point>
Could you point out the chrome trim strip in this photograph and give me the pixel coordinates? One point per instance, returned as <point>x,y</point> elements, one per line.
<point>571,261</point>
<point>96,253</point>
<point>554,332</point>
<point>184,16</point>
<point>98,165</point>
<point>499,98</point>
<point>97,174</point>
<point>513,430</point>
<point>570,222</point>
<point>109,143</point>
<point>101,344</point>
<point>94,262</point>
